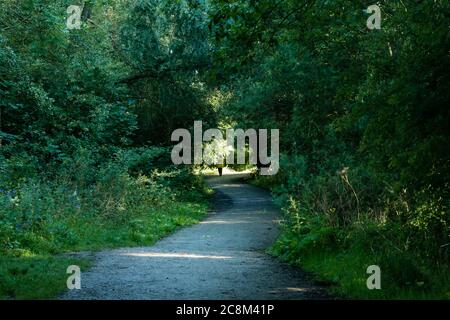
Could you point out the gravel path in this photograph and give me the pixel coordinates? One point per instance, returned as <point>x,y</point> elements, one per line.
<point>220,258</point>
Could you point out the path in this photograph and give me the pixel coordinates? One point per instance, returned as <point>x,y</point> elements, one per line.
<point>220,258</point>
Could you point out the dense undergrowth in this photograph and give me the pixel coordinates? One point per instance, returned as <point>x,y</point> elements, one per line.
<point>84,144</point>
<point>363,118</point>
<point>114,205</point>
<point>86,117</point>
<point>406,242</point>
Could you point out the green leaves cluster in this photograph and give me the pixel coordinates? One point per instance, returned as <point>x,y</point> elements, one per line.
<point>363,115</point>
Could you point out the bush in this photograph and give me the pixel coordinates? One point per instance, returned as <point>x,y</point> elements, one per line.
<point>36,216</point>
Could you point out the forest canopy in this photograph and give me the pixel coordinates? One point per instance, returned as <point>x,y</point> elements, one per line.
<point>86,117</point>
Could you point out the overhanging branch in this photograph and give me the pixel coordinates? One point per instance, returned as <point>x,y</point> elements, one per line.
<point>159,74</point>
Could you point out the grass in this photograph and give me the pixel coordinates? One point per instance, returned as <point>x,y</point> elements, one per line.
<point>144,228</point>
<point>346,272</point>
<point>339,258</point>
<point>343,269</point>
<point>35,276</point>
<point>41,273</point>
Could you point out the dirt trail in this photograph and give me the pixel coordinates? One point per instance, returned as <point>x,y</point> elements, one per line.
<point>220,258</point>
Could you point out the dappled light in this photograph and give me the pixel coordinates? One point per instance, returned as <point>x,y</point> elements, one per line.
<point>224,149</point>
<point>225,221</point>
<point>175,255</point>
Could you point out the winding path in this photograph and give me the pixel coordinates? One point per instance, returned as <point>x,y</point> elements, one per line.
<point>222,257</point>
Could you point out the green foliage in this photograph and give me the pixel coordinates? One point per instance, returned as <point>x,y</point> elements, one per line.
<point>166,45</point>
<point>86,117</point>
<point>108,207</point>
<point>42,216</point>
<point>363,118</point>
<point>85,123</point>
<point>28,277</point>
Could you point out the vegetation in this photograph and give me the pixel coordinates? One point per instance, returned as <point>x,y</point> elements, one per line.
<point>364,173</point>
<point>82,164</point>
<point>86,117</point>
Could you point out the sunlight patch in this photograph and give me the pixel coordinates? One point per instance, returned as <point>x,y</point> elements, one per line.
<point>175,255</point>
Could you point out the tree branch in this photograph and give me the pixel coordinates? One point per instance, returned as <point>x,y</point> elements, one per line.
<point>159,74</point>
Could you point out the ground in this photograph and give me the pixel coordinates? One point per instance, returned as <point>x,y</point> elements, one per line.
<point>223,257</point>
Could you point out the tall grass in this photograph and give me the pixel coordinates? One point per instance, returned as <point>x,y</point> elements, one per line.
<point>336,225</point>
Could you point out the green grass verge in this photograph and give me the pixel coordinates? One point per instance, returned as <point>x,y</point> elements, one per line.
<point>42,276</point>
<point>346,272</point>
<point>342,269</point>
<point>36,276</point>
<point>338,258</point>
